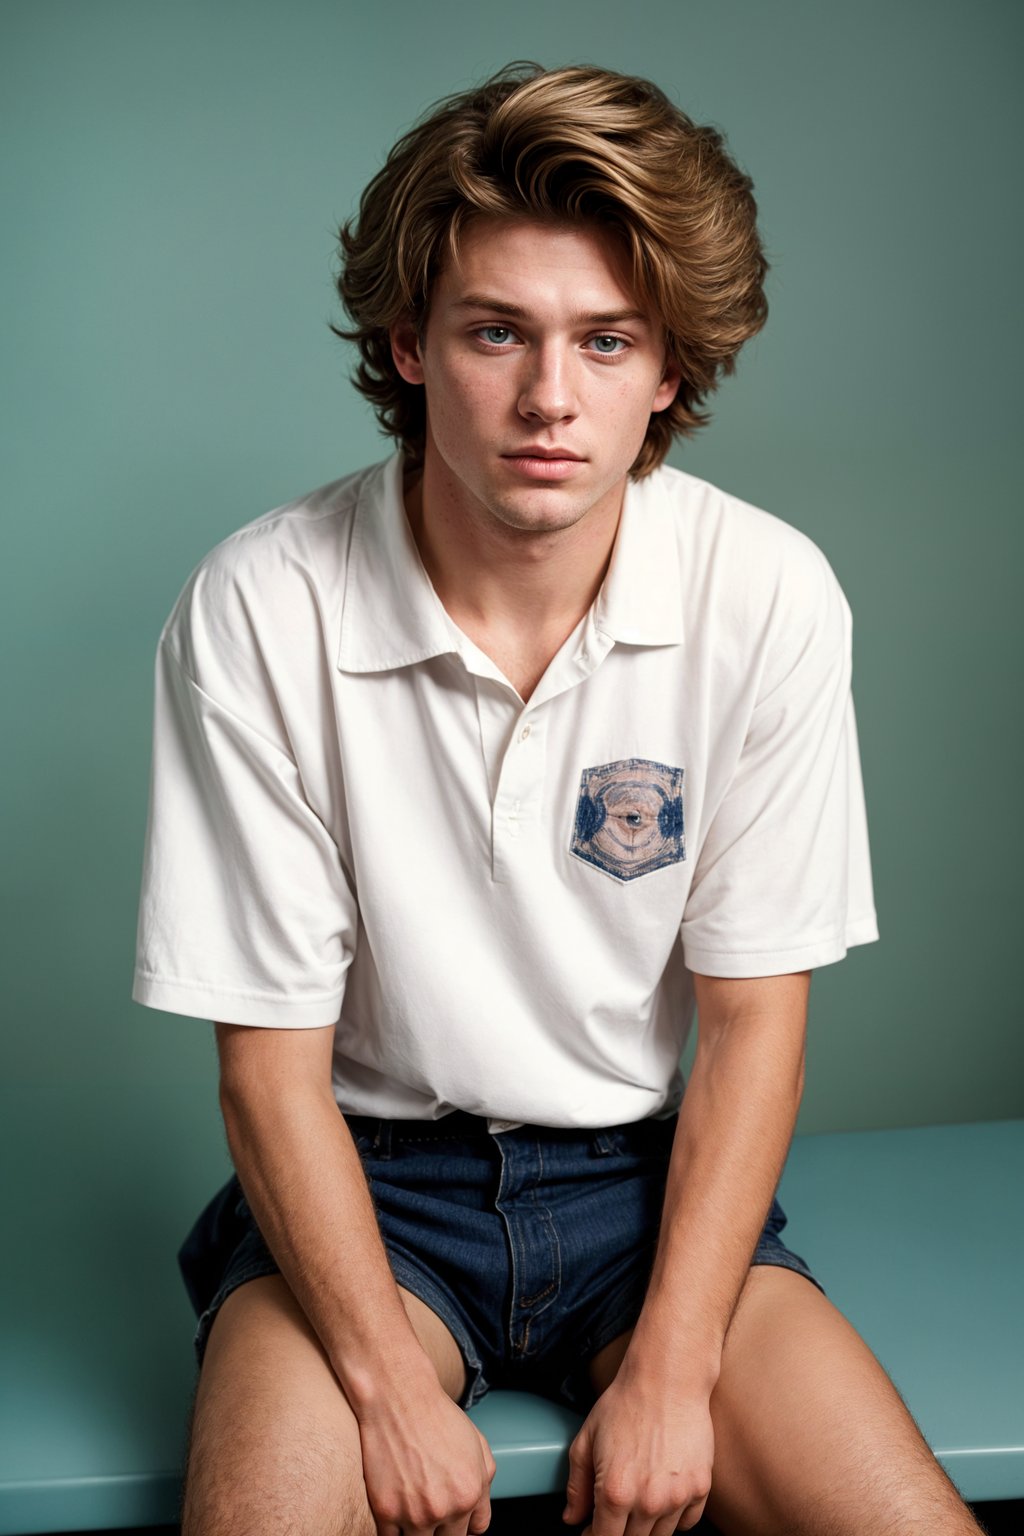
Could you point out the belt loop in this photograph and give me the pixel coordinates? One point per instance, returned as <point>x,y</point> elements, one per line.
<point>382,1140</point>
<point>604,1142</point>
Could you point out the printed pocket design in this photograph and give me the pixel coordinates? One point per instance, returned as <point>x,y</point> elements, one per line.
<point>629,817</point>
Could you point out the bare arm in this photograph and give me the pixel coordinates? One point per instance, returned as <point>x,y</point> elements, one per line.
<point>424,1462</point>
<point>735,1126</point>
<point>647,1447</point>
<point>304,1180</point>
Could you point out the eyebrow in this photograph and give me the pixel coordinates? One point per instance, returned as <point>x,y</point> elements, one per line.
<point>517,312</point>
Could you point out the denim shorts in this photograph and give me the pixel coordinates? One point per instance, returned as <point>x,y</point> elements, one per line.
<point>534,1246</point>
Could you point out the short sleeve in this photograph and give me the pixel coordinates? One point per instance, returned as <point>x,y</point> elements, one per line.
<point>783,876</point>
<point>246,914</point>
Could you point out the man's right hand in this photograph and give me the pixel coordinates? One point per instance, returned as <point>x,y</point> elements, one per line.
<point>426,1466</point>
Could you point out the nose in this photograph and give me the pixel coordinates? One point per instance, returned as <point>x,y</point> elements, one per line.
<point>549,390</point>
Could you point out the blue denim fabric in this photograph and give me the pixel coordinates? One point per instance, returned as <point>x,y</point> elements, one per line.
<point>534,1246</point>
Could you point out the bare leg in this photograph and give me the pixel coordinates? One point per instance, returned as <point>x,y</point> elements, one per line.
<point>274,1444</point>
<point>811,1437</point>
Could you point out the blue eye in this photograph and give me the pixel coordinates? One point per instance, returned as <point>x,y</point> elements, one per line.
<point>497,335</point>
<point>608,345</point>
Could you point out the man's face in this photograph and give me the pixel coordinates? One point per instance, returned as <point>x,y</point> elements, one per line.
<point>540,373</point>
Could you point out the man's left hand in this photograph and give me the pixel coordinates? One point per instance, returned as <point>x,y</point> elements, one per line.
<point>641,1464</point>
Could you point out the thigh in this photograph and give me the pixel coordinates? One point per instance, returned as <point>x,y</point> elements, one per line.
<point>225,1250</point>
<point>811,1437</point>
<point>274,1444</point>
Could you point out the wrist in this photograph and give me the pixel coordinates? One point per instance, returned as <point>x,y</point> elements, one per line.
<point>674,1361</point>
<point>377,1386</point>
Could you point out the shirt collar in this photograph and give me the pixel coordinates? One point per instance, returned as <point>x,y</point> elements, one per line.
<point>640,601</point>
<point>392,615</point>
<point>394,618</point>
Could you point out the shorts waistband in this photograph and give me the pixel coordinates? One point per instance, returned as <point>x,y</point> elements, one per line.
<point>382,1133</point>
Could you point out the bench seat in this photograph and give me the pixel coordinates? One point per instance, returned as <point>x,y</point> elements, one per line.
<point>917,1236</point>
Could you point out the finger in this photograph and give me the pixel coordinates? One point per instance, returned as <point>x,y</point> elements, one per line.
<point>609,1520</point>
<point>670,1523</point>
<point>640,1525</point>
<point>648,1525</point>
<point>689,1517</point>
<point>480,1519</point>
<point>470,1523</point>
<point>489,1461</point>
<point>577,1511</point>
<point>579,1488</point>
<point>665,1525</point>
<point>454,1527</point>
<point>578,1508</point>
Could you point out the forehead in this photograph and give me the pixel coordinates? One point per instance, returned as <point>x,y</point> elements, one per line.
<point>538,265</point>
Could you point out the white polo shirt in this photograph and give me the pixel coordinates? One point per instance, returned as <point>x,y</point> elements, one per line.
<point>355,821</point>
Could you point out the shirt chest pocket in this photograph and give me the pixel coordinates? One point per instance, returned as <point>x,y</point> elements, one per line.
<point>629,817</point>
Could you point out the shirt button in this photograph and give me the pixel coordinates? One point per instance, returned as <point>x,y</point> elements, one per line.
<point>524,734</point>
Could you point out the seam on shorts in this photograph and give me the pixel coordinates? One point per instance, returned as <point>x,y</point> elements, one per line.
<point>783,1258</point>
<point>255,1270</point>
<point>413,1279</point>
<point>616,1323</point>
<point>553,1289</point>
<point>613,1326</point>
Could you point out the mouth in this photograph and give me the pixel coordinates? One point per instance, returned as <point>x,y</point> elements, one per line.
<point>538,463</point>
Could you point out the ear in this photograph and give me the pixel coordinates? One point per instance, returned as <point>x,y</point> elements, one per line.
<point>405,349</point>
<point>669,386</point>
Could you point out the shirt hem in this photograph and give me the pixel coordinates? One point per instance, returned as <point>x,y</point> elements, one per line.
<point>200,1002</point>
<point>779,962</point>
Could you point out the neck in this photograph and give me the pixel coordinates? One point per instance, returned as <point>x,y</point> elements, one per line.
<point>506,583</point>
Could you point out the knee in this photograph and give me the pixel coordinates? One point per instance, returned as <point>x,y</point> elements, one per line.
<point>242,1485</point>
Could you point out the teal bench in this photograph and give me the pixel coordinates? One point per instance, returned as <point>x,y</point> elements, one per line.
<point>917,1235</point>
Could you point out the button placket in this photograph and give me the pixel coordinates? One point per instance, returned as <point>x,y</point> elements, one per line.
<point>518,794</point>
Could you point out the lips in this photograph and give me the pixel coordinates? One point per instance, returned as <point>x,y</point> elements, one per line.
<point>536,463</point>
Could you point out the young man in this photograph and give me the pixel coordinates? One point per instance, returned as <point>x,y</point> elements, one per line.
<point>473,773</point>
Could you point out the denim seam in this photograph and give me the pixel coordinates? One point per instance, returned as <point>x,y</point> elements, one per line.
<point>552,1290</point>
<point>612,1328</point>
<point>257,1270</point>
<point>784,1258</point>
<point>407,1275</point>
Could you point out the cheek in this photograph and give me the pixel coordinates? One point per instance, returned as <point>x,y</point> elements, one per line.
<point>466,397</point>
<point>627,413</point>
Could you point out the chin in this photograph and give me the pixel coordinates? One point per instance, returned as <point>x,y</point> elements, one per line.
<point>548,517</point>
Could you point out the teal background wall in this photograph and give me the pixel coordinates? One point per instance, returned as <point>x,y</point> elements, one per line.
<point>172,179</point>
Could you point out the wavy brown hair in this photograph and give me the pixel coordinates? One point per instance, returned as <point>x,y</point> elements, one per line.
<point>579,144</point>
